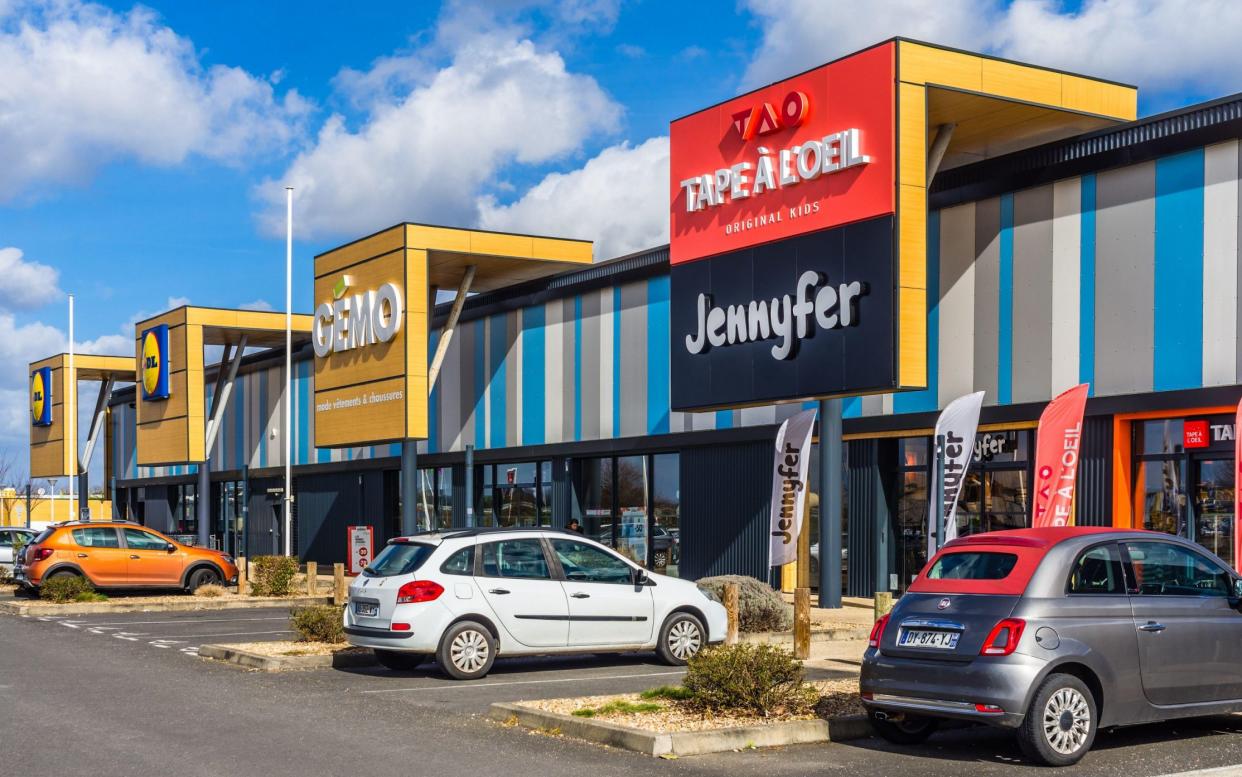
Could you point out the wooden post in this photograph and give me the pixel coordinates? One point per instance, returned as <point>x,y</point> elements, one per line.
<point>802,623</point>
<point>338,584</point>
<point>243,579</point>
<point>732,609</point>
<point>883,603</point>
<point>312,578</point>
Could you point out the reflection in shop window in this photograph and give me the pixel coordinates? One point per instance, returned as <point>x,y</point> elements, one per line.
<point>666,510</point>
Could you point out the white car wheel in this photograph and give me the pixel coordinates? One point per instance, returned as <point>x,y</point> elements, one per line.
<point>467,651</point>
<point>681,638</point>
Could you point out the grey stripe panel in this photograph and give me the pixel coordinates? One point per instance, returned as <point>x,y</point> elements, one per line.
<point>568,367</point>
<point>633,375</point>
<point>1032,294</point>
<point>1239,367</point>
<point>468,337</point>
<point>1124,283</point>
<point>873,405</point>
<point>987,294</point>
<point>957,308</point>
<point>591,363</point>
<point>449,394</point>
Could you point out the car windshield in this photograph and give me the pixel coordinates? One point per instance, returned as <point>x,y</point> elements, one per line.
<point>399,558</point>
<point>973,565</point>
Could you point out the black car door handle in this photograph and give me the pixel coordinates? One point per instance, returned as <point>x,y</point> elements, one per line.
<point>580,595</point>
<point>499,591</point>
<point>1152,626</point>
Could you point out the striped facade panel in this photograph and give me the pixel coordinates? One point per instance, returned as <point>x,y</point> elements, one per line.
<point>1178,272</point>
<point>955,343</point>
<point>591,366</point>
<point>1032,294</point>
<point>987,295</point>
<point>631,379</point>
<point>1066,268</point>
<point>1220,264</point>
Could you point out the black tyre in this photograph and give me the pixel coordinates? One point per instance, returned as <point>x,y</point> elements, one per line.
<point>399,662</point>
<point>203,576</point>
<point>681,638</point>
<point>908,730</point>
<point>467,651</point>
<point>1060,725</point>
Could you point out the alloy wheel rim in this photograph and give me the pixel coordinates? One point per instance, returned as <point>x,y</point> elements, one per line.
<point>469,651</point>
<point>1067,721</point>
<point>684,639</point>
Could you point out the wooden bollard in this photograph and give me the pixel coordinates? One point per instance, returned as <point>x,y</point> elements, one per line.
<point>802,623</point>
<point>338,584</point>
<point>242,578</point>
<point>312,578</point>
<point>732,610</point>
<point>883,603</point>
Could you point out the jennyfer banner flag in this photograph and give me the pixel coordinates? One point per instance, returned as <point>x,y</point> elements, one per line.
<point>957,424</point>
<point>1057,445</point>
<point>793,456</point>
<point>1237,492</point>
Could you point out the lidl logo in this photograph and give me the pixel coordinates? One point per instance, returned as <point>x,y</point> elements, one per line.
<point>155,363</point>
<point>41,397</point>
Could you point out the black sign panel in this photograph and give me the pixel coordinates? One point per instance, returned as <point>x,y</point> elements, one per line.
<point>806,317</point>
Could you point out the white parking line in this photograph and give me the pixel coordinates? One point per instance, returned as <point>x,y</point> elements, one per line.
<point>1219,771</point>
<point>186,620</point>
<point>70,625</point>
<point>447,685</point>
<point>225,634</point>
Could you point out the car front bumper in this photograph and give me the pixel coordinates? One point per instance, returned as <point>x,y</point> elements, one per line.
<point>984,690</point>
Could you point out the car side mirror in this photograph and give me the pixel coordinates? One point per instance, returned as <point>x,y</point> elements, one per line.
<point>170,547</point>
<point>640,577</point>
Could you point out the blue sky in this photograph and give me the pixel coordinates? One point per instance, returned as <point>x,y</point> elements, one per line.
<point>144,149</point>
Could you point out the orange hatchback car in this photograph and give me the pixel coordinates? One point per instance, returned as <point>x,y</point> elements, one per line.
<point>117,554</point>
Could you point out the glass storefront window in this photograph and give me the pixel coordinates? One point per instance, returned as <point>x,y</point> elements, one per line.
<point>665,510</point>
<point>1214,495</point>
<point>631,531</point>
<point>1159,436</point>
<point>1161,495</point>
<point>425,499</point>
<point>444,497</point>
<point>597,499</point>
<point>911,524</point>
<point>996,492</point>
<point>484,503</point>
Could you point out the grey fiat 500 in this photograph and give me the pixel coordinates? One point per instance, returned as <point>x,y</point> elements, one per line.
<point>1057,633</point>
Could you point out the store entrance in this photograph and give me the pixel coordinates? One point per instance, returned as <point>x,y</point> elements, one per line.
<point>1213,505</point>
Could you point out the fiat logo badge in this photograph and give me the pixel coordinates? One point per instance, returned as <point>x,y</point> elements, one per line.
<point>944,603</point>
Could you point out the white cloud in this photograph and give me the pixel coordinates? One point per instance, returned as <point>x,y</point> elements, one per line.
<point>258,304</point>
<point>26,284</point>
<point>619,199</point>
<point>83,85</point>
<point>1162,46</point>
<point>428,155</point>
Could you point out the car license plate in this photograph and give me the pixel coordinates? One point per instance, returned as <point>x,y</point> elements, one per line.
<point>366,609</point>
<point>941,640</point>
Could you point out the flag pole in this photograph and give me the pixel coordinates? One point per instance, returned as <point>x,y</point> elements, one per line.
<point>288,370</point>
<point>70,387</point>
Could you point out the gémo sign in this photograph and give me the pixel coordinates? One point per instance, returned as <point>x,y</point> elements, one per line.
<point>352,321</point>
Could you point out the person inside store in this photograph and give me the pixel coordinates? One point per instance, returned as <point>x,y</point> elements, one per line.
<point>574,525</point>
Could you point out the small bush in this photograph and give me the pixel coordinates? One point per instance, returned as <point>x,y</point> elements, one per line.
<point>273,575</point>
<point>748,679</point>
<point>66,589</point>
<point>319,623</point>
<point>760,608</point>
<point>6,576</point>
<point>210,591</point>
<point>620,706</point>
<point>90,596</point>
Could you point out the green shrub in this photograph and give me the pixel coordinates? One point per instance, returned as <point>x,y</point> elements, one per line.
<point>760,608</point>
<point>619,706</point>
<point>66,589</point>
<point>318,623</point>
<point>273,575</point>
<point>670,692</point>
<point>90,596</point>
<point>748,679</point>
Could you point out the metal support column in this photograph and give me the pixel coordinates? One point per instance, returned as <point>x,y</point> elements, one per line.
<point>830,488</point>
<point>84,463</point>
<point>409,487</point>
<point>470,517</point>
<point>938,490</point>
<point>219,402</point>
<point>202,504</point>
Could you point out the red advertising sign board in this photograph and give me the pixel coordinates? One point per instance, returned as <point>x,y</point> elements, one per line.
<point>1195,434</point>
<point>804,154</point>
<point>361,548</point>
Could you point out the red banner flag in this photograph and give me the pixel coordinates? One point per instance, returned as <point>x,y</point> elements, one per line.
<point>1237,492</point>
<point>1058,443</point>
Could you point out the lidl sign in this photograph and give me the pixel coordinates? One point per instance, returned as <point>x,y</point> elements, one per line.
<point>155,363</point>
<point>41,397</point>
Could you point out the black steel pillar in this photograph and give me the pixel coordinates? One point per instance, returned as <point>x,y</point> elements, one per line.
<point>409,487</point>
<point>830,487</point>
<point>202,504</point>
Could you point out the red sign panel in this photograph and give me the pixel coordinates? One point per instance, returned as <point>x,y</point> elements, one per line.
<point>804,154</point>
<point>1196,434</point>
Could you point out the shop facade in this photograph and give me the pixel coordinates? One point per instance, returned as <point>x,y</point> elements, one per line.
<point>1109,258</point>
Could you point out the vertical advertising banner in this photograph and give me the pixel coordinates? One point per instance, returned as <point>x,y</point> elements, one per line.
<point>957,424</point>
<point>789,484</point>
<point>41,397</point>
<point>155,367</point>
<point>361,548</point>
<point>1058,442</point>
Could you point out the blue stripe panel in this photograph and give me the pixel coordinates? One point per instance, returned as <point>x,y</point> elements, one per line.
<point>616,361</point>
<point>851,408</point>
<point>1178,317</point>
<point>433,400</point>
<point>1086,300</point>
<point>578,367</point>
<point>394,449</point>
<point>658,334</point>
<point>724,419</point>
<point>926,399</point>
<point>480,383</point>
<point>499,348</point>
<point>1004,360</point>
<point>534,365</point>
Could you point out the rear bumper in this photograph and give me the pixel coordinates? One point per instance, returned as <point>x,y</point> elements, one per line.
<point>948,689</point>
<point>427,623</point>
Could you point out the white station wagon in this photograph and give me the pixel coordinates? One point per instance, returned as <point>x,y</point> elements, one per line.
<point>467,596</point>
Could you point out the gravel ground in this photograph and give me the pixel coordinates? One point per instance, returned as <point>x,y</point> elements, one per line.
<point>291,648</point>
<point>838,697</point>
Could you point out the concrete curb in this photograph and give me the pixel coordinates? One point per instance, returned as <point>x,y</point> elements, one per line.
<point>264,663</point>
<point>785,638</point>
<point>797,732</point>
<point>191,604</point>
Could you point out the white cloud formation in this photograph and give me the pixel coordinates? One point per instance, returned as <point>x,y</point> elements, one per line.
<point>258,304</point>
<point>1162,46</point>
<point>26,284</point>
<point>619,199</point>
<point>83,85</point>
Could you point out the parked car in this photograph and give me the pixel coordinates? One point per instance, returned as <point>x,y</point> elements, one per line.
<point>8,538</point>
<point>118,554</point>
<point>1057,633</point>
<point>468,596</point>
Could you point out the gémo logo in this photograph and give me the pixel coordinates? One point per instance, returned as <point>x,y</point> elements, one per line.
<point>352,321</point>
